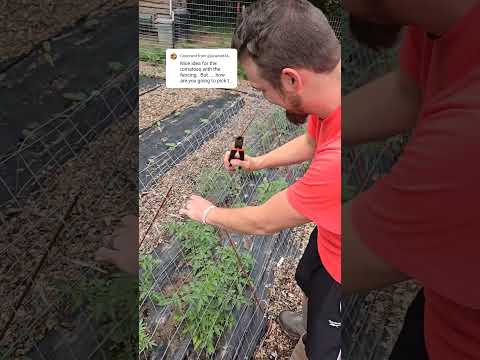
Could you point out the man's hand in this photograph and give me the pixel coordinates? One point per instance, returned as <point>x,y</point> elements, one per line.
<point>124,254</point>
<point>195,207</point>
<point>248,165</point>
<point>296,151</point>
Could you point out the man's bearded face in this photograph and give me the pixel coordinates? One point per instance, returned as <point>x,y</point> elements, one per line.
<point>294,112</point>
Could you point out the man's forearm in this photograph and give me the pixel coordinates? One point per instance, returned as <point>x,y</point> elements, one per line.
<point>271,217</point>
<point>385,107</point>
<point>295,151</point>
<point>244,220</point>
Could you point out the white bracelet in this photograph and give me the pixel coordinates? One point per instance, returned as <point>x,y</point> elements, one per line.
<point>205,214</point>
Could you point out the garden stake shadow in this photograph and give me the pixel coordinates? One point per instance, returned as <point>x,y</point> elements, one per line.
<point>243,272</point>
<point>156,215</point>
<point>29,283</point>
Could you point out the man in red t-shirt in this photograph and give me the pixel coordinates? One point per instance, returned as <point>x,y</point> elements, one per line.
<point>420,220</point>
<point>291,54</point>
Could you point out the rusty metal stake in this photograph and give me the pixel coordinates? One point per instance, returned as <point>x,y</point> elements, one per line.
<point>156,215</point>
<point>29,283</point>
<point>243,272</point>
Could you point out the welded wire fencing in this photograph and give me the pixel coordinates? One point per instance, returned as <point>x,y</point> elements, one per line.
<point>186,310</point>
<point>200,23</point>
<point>158,165</point>
<point>192,24</point>
<point>53,204</point>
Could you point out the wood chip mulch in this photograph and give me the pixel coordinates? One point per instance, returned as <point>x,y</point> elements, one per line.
<point>158,104</point>
<point>283,294</point>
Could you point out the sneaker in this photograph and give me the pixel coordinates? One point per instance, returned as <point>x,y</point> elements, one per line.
<point>292,323</point>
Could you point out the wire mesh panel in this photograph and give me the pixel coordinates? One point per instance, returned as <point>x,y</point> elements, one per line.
<point>199,23</point>
<point>370,323</point>
<point>189,309</point>
<point>195,24</point>
<point>47,147</point>
<point>52,209</point>
<point>152,168</point>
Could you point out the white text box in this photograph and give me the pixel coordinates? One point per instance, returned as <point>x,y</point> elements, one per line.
<point>201,68</point>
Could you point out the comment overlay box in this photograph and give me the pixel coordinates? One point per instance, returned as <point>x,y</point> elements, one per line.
<point>201,68</point>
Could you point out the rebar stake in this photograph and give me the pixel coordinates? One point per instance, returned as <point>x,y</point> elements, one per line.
<point>156,215</point>
<point>29,283</point>
<point>243,272</point>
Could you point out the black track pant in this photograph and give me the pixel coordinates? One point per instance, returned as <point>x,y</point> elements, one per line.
<point>323,338</point>
<point>411,341</point>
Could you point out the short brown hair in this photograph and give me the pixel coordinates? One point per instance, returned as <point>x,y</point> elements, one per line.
<point>286,33</point>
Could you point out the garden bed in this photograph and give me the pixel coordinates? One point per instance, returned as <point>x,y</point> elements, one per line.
<point>184,174</point>
<point>172,271</point>
<point>46,20</point>
<point>68,146</point>
<point>55,77</point>
<point>27,230</point>
<point>178,135</point>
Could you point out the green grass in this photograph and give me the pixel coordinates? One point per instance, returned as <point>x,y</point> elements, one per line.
<point>207,37</point>
<point>152,55</point>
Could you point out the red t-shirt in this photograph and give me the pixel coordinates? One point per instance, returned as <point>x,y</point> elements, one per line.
<point>317,195</point>
<point>423,216</point>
